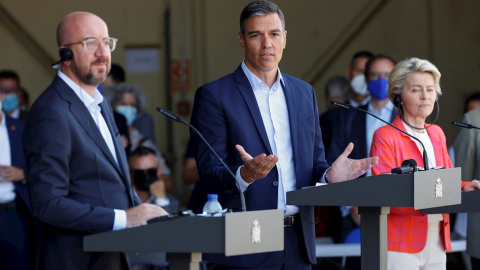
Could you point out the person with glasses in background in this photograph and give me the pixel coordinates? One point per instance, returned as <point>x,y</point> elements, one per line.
<point>77,170</point>
<point>358,127</point>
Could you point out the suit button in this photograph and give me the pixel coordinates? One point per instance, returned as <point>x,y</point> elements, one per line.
<point>275,183</point>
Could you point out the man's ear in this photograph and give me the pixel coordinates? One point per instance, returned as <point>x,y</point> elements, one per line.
<point>241,40</point>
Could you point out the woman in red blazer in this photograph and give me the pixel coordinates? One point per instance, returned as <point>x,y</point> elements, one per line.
<point>415,241</point>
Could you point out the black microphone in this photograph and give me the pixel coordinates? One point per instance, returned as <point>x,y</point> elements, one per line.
<point>464,125</point>
<point>179,119</point>
<point>347,106</point>
<point>66,54</point>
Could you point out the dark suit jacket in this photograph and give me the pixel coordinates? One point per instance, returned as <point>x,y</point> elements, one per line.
<point>227,113</point>
<point>328,122</point>
<point>15,130</point>
<point>352,128</point>
<point>73,179</point>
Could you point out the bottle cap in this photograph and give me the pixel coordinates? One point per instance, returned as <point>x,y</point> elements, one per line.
<point>212,197</point>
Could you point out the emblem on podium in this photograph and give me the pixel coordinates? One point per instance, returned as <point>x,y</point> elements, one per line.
<point>438,188</point>
<point>256,232</point>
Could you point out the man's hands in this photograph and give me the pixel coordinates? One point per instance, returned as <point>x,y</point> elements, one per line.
<point>11,173</point>
<point>346,169</point>
<point>139,214</point>
<point>255,168</point>
<point>475,184</point>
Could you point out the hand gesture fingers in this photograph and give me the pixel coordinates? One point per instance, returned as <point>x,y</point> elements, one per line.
<point>346,169</point>
<point>255,168</point>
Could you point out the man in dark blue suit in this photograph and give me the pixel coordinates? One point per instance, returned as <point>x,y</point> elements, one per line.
<point>16,223</point>
<point>264,124</point>
<point>77,170</point>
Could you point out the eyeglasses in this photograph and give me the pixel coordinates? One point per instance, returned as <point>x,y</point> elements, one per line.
<point>91,44</point>
<point>12,90</point>
<point>375,75</point>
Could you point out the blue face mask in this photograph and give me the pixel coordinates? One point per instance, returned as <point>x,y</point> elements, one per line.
<point>129,112</point>
<point>378,88</point>
<point>10,102</point>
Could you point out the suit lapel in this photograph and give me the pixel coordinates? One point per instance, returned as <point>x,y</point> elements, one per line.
<point>84,119</point>
<point>119,150</point>
<point>247,92</point>
<point>289,92</point>
<point>362,131</point>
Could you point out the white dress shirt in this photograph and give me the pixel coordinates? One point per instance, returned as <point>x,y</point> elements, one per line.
<point>93,106</point>
<point>274,112</point>
<point>7,189</point>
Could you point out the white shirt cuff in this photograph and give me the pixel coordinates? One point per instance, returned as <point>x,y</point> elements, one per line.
<point>322,180</point>
<point>241,183</point>
<point>120,222</point>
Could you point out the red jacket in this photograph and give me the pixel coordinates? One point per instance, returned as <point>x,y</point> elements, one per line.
<point>407,228</point>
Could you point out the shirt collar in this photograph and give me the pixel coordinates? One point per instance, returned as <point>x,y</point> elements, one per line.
<point>256,83</point>
<point>92,103</point>
<point>387,108</point>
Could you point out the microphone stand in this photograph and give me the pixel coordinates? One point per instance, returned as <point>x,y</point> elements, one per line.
<point>179,119</point>
<point>348,107</point>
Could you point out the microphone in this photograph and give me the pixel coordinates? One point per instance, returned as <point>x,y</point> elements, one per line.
<point>347,106</point>
<point>179,119</point>
<point>464,125</point>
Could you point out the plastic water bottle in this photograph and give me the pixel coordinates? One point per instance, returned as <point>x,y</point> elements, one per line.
<point>212,206</point>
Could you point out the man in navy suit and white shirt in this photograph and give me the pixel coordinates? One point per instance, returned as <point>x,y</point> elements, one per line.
<point>77,169</point>
<point>16,223</point>
<point>264,124</point>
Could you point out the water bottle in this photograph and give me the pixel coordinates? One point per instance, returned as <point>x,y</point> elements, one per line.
<point>212,206</point>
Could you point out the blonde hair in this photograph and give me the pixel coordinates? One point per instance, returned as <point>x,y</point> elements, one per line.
<point>401,71</point>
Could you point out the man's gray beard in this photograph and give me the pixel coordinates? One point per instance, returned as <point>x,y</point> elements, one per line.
<point>89,78</point>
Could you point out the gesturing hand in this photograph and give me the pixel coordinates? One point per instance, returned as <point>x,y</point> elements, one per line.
<point>346,169</point>
<point>255,168</point>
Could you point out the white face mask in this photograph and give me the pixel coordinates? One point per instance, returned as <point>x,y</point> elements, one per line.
<point>359,85</point>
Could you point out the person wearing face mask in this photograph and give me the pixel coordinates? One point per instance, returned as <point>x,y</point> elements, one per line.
<point>10,85</point>
<point>358,128</point>
<point>16,221</point>
<point>145,174</point>
<point>129,102</point>
<point>358,95</point>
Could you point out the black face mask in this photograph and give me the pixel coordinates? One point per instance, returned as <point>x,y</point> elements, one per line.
<point>144,178</point>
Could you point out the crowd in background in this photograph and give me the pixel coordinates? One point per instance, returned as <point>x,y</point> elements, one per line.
<point>366,75</point>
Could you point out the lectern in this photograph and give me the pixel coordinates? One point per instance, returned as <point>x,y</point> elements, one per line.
<point>374,195</point>
<point>185,238</point>
<point>470,203</point>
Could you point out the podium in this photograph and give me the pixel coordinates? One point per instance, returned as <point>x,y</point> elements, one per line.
<point>375,195</point>
<point>470,203</point>
<point>184,239</point>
